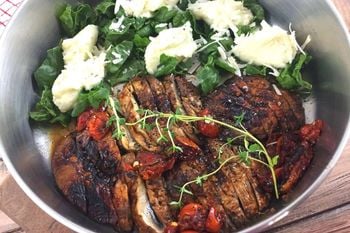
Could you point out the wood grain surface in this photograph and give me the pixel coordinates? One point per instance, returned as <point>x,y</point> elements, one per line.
<point>326,210</point>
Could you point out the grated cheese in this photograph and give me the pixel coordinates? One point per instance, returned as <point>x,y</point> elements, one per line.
<point>116,26</point>
<point>175,42</point>
<point>222,14</point>
<point>278,92</point>
<point>84,68</point>
<point>271,46</point>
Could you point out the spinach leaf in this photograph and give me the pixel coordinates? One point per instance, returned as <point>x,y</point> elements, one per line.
<point>131,68</point>
<point>106,8</point>
<point>145,31</point>
<point>51,67</point>
<point>183,4</point>
<point>183,66</point>
<point>164,15</point>
<point>209,78</point>
<point>92,98</point>
<point>139,23</point>
<point>255,70</point>
<point>256,9</point>
<point>141,42</point>
<point>246,29</point>
<point>117,56</point>
<point>224,65</point>
<point>166,66</point>
<point>75,18</point>
<point>181,18</point>
<point>46,111</point>
<point>125,32</point>
<point>211,49</point>
<point>291,78</point>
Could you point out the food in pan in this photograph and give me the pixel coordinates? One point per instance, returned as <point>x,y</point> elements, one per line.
<point>183,116</point>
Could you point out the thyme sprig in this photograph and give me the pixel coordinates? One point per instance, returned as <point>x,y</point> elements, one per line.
<point>251,145</point>
<point>116,120</point>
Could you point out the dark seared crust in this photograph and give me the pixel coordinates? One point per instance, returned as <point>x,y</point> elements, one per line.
<point>174,179</point>
<point>143,93</point>
<point>67,170</point>
<point>86,171</point>
<point>146,100</point>
<point>163,103</point>
<point>137,193</point>
<point>159,199</point>
<point>206,194</point>
<point>262,198</point>
<point>129,108</point>
<point>229,197</point>
<point>265,110</point>
<point>172,94</point>
<point>122,207</point>
<point>190,96</point>
<point>296,104</point>
<point>174,97</point>
<point>161,99</point>
<point>107,187</point>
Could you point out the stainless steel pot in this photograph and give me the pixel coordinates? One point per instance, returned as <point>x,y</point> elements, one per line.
<point>25,148</point>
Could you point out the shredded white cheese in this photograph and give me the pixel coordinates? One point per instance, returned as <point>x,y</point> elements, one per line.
<point>235,65</point>
<point>175,42</point>
<point>80,47</point>
<point>143,8</point>
<point>277,90</point>
<point>270,46</point>
<point>117,58</point>
<point>222,14</point>
<point>84,68</point>
<point>118,25</point>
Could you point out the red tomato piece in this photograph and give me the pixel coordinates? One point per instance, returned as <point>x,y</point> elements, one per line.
<point>97,125</point>
<point>311,132</point>
<point>192,217</point>
<point>189,148</point>
<point>208,129</point>
<point>172,227</point>
<point>82,120</point>
<point>152,165</point>
<point>214,221</point>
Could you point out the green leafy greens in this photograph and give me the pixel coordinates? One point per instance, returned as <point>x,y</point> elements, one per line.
<point>125,39</point>
<point>51,67</point>
<point>291,78</point>
<point>46,111</point>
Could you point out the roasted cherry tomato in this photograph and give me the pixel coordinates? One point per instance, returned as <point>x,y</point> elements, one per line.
<point>208,129</point>
<point>189,149</point>
<point>82,120</point>
<point>214,221</point>
<point>192,217</point>
<point>152,165</point>
<point>127,167</point>
<point>172,227</point>
<point>97,125</point>
<point>311,132</point>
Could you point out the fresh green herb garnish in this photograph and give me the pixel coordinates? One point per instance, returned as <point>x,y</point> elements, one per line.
<point>251,144</point>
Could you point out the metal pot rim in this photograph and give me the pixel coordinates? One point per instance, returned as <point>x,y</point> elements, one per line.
<point>259,226</point>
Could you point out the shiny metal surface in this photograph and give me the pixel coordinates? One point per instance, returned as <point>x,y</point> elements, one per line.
<point>25,148</point>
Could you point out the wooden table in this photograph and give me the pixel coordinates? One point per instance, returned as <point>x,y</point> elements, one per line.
<point>326,210</point>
